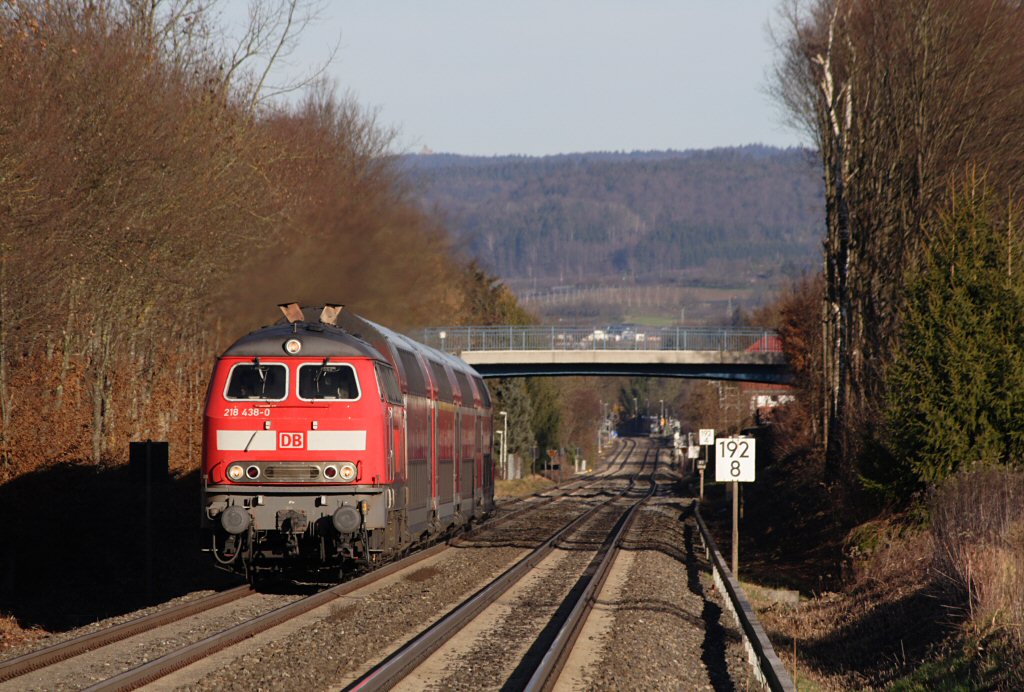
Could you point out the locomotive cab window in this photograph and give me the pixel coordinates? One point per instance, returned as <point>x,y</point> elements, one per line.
<point>263,381</point>
<point>335,381</point>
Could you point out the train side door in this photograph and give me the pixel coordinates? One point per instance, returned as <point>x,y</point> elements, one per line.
<point>435,453</point>
<point>457,458</point>
<point>478,459</point>
<point>398,446</point>
<point>391,440</point>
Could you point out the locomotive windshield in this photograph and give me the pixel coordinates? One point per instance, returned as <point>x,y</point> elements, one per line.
<point>328,381</point>
<point>257,381</point>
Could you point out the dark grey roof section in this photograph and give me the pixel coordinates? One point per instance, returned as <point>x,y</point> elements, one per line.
<point>318,341</point>
<point>384,338</point>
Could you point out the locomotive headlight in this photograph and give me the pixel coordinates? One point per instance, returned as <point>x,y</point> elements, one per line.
<point>347,471</point>
<point>235,472</point>
<point>292,347</point>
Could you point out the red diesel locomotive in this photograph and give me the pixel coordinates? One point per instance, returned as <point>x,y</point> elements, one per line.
<point>331,444</point>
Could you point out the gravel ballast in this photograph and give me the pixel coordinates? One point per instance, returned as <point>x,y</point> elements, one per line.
<point>365,628</point>
<point>662,623</point>
<point>668,628</point>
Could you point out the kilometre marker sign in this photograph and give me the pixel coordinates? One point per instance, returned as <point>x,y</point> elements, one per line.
<point>734,459</point>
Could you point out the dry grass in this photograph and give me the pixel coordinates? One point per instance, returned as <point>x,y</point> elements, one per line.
<point>882,624</point>
<point>948,597</point>
<point>997,584</point>
<point>521,487</point>
<point>12,634</point>
<point>870,610</point>
<point>978,522</point>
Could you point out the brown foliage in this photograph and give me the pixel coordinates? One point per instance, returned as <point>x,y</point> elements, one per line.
<point>699,407</point>
<point>799,326</point>
<point>487,301</point>
<point>581,413</point>
<point>138,199</point>
<point>349,232</point>
<point>149,214</point>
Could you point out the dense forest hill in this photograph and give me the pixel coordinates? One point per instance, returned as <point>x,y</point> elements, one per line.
<point>712,217</point>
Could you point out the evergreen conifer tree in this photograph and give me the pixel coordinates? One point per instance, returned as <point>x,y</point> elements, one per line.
<point>956,384</point>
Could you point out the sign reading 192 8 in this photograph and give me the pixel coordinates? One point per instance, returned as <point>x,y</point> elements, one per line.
<point>734,459</point>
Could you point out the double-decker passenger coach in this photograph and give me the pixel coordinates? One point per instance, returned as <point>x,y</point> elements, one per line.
<point>331,444</point>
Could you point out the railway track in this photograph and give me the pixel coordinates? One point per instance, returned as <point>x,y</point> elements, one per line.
<point>427,659</point>
<point>36,670</point>
<point>29,671</point>
<point>52,655</point>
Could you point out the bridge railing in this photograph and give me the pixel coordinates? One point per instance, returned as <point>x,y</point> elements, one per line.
<point>511,338</point>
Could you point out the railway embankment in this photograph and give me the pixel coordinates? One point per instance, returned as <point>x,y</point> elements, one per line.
<point>887,601</point>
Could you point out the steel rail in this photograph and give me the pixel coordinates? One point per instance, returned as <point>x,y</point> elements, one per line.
<point>185,656</point>
<point>568,489</point>
<point>402,662</point>
<point>51,655</point>
<point>550,667</point>
<point>175,660</point>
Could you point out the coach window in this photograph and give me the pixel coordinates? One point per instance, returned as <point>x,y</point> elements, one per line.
<point>263,381</point>
<point>467,391</point>
<point>388,384</point>
<point>334,381</point>
<point>485,396</point>
<point>415,382</point>
<point>444,385</point>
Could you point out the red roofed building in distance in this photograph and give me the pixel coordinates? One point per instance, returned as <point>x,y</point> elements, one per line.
<point>764,397</point>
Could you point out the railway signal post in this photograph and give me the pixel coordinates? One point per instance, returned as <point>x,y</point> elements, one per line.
<point>734,461</point>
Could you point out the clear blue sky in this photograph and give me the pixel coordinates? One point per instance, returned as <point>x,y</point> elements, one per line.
<point>553,76</point>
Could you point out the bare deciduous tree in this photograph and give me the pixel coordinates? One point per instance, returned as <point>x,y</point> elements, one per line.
<point>138,196</point>
<point>898,97</point>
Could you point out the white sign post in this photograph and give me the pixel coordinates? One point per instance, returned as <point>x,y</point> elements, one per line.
<point>734,461</point>
<point>706,437</point>
<point>693,458</point>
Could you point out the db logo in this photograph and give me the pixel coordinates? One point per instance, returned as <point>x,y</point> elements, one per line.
<point>288,440</point>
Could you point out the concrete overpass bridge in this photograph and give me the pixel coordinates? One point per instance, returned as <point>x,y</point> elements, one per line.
<point>714,353</point>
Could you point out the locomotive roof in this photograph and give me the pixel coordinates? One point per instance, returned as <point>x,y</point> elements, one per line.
<point>354,336</point>
<point>318,340</point>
